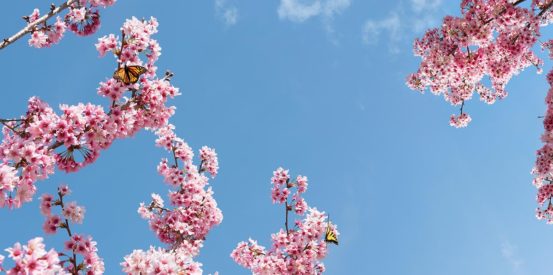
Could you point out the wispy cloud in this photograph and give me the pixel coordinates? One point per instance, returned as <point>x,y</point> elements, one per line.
<point>299,11</point>
<point>509,253</point>
<point>391,25</point>
<point>229,14</point>
<point>421,15</point>
<point>425,5</point>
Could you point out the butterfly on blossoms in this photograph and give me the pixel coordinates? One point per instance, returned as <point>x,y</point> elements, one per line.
<point>330,236</point>
<point>129,74</point>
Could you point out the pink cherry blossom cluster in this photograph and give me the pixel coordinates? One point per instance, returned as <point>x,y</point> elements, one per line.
<point>83,18</point>
<point>459,121</point>
<point>37,142</point>
<point>297,250</point>
<point>491,38</point>
<point>32,259</point>
<point>160,261</point>
<point>77,244</point>
<point>193,214</point>
<point>543,170</point>
<point>210,162</point>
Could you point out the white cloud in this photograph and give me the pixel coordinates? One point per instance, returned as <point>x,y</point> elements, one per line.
<point>372,29</point>
<point>298,11</point>
<point>425,5</point>
<point>229,14</point>
<point>399,23</point>
<point>509,252</point>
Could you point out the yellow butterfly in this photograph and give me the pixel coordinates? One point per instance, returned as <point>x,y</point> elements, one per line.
<point>129,74</point>
<point>330,236</point>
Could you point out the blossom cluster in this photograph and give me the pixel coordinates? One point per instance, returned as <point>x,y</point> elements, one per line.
<point>82,18</point>
<point>491,40</point>
<point>36,143</point>
<point>77,244</point>
<point>160,261</point>
<point>297,250</point>
<point>33,258</point>
<point>193,212</point>
<point>460,121</point>
<point>543,170</point>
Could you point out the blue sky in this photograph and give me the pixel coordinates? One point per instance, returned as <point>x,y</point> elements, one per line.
<point>319,89</point>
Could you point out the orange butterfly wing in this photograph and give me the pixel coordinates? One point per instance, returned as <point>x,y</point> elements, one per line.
<point>129,74</point>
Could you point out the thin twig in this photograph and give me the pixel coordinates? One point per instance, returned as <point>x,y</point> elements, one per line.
<point>73,259</point>
<point>286,222</point>
<point>32,26</point>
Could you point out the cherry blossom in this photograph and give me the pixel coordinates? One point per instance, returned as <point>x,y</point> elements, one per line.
<point>77,244</point>
<point>209,159</point>
<point>491,41</point>
<point>41,140</point>
<point>160,261</point>
<point>82,18</point>
<point>459,121</point>
<point>297,250</point>
<point>33,258</point>
<point>192,214</point>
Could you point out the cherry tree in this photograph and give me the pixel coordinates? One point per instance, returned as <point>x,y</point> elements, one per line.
<point>41,140</point>
<point>480,51</point>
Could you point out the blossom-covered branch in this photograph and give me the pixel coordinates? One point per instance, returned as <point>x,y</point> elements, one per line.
<point>492,38</point>
<point>297,250</point>
<point>193,212</point>
<point>83,19</point>
<point>33,258</point>
<point>34,144</point>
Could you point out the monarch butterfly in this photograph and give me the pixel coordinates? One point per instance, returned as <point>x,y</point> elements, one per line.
<point>129,74</point>
<point>330,236</point>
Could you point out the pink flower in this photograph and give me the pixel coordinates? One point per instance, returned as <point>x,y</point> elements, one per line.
<point>76,14</point>
<point>73,212</point>
<point>51,224</point>
<point>46,204</point>
<point>300,205</point>
<point>39,39</point>
<point>64,190</point>
<point>301,183</point>
<point>107,43</point>
<point>8,178</point>
<point>460,121</point>
<point>280,177</point>
<point>209,159</point>
<point>34,16</point>
<point>83,24</point>
<point>33,259</point>
<point>160,261</point>
<point>157,200</point>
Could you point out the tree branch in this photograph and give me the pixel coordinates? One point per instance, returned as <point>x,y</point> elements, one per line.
<point>32,26</point>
